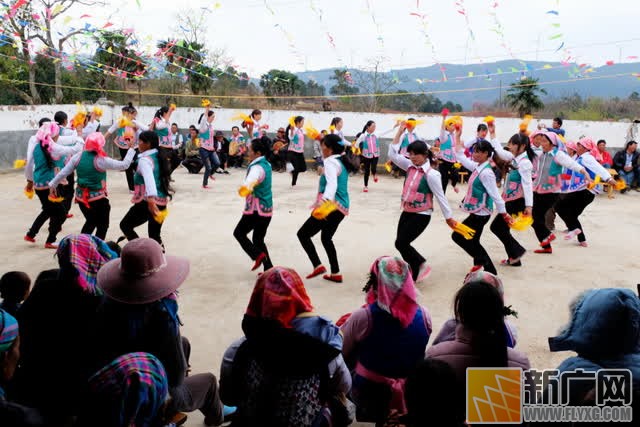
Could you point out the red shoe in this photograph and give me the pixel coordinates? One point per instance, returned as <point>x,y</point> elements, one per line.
<point>546,242</point>
<point>259,260</point>
<point>365,190</point>
<point>375,179</point>
<point>317,271</point>
<point>50,246</point>
<point>337,278</point>
<point>69,215</point>
<point>205,187</point>
<point>29,239</point>
<point>476,268</point>
<point>544,251</point>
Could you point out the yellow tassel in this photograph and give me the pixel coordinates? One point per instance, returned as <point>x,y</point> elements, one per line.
<point>620,185</point>
<point>489,120</point>
<point>29,193</point>
<point>242,117</point>
<point>322,211</point>
<point>161,216</point>
<point>123,122</point>
<point>205,103</point>
<point>292,121</point>
<point>455,120</point>
<point>172,106</point>
<point>58,199</point>
<point>312,132</point>
<point>97,111</point>
<point>457,165</point>
<point>595,182</point>
<point>413,123</point>
<point>521,222</point>
<point>245,190</point>
<point>464,230</point>
<point>19,163</point>
<point>388,167</point>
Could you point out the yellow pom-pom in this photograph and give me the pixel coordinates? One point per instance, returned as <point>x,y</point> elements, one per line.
<point>388,167</point>
<point>521,222</point>
<point>489,120</point>
<point>19,163</point>
<point>413,123</point>
<point>594,183</point>
<point>161,216</point>
<point>172,107</point>
<point>292,121</point>
<point>332,128</point>
<point>244,191</point>
<point>620,185</point>
<point>58,199</point>
<point>322,211</point>
<point>457,165</point>
<point>29,193</point>
<point>312,132</point>
<point>464,230</point>
<point>205,103</point>
<point>123,122</point>
<point>97,111</point>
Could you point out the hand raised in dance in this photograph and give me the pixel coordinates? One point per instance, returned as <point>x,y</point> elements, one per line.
<point>492,129</point>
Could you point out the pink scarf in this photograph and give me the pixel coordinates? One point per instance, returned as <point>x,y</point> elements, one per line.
<point>95,142</point>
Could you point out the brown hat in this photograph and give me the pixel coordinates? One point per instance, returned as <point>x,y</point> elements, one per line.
<point>143,273</point>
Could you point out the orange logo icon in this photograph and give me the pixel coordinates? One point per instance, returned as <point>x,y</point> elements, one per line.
<point>494,395</point>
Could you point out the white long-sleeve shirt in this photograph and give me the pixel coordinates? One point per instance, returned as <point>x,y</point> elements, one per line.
<point>434,179</point>
<point>488,179</point>
<point>145,168</point>
<point>256,173</point>
<point>332,168</point>
<point>57,151</point>
<point>102,163</point>
<point>525,169</point>
<point>90,128</point>
<point>590,163</point>
<point>561,158</point>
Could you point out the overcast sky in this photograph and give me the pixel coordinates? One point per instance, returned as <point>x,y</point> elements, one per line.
<point>592,31</point>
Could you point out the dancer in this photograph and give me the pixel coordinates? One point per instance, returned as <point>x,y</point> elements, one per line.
<point>208,146</point>
<point>446,155</point>
<point>335,128</point>
<point>126,125</point>
<point>152,190</point>
<point>482,193</point>
<point>517,192</point>
<point>161,125</point>
<point>91,194</point>
<point>547,183</point>
<point>44,160</point>
<point>333,197</point>
<point>67,190</point>
<point>254,128</point>
<point>368,143</point>
<point>409,136</point>
<point>295,151</point>
<point>422,183</point>
<point>579,195</point>
<point>258,209</point>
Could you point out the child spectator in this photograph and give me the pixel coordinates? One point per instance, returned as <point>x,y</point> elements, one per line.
<point>607,160</point>
<point>14,288</point>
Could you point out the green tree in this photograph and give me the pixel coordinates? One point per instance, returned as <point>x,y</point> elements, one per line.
<point>523,96</point>
<point>635,96</point>
<point>280,83</point>
<point>344,84</point>
<point>312,88</point>
<point>188,60</point>
<point>118,58</point>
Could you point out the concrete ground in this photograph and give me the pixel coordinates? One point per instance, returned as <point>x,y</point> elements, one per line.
<point>214,297</point>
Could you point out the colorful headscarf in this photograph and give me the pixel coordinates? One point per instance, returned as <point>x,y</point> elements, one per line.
<point>85,254</point>
<point>395,292</point>
<point>485,276</point>
<point>572,145</point>
<point>95,142</point>
<point>279,295</point>
<point>8,330</point>
<point>591,147</point>
<point>551,136</point>
<point>46,133</point>
<point>137,385</point>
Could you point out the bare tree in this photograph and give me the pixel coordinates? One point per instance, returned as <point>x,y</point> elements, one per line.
<point>374,79</point>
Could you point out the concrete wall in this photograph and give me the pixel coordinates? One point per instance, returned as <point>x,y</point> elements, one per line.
<point>18,123</point>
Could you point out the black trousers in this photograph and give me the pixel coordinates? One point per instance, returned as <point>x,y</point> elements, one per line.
<point>54,212</point>
<point>138,215</point>
<point>130,170</point>
<point>224,158</point>
<point>96,217</point>
<point>541,204</point>
<point>370,167</point>
<point>502,231</point>
<point>473,246</point>
<point>448,173</point>
<point>327,227</point>
<point>193,164</point>
<point>410,227</point>
<point>571,207</point>
<point>259,225</point>
<point>68,192</point>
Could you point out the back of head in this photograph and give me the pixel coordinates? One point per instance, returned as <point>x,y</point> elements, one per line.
<point>334,143</point>
<point>260,145</point>
<point>14,286</point>
<point>484,146</point>
<point>60,117</point>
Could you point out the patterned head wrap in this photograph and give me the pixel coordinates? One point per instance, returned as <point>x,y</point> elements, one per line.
<point>395,292</point>
<point>46,133</point>
<point>8,330</point>
<point>485,276</point>
<point>82,255</point>
<point>95,142</point>
<point>591,147</point>
<point>136,384</point>
<point>279,295</point>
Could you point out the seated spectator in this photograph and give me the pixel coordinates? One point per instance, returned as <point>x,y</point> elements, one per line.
<point>556,127</point>
<point>14,288</point>
<point>448,330</point>
<point>385,339</point>
<point>481,335</point>
<point>287,370</point>
<point>222,147</point>
<point>432,396</point>
<point>237,148</point>
<point>625,162</point>
<point>607,160</point>
<point>140,313</point>
<point>12,414</point>
<point>60,308</point>
<point>279,151</point>
<point>192,160</point>
<point>177,141</point>
<point>603,331</point>
<point>130,391</point>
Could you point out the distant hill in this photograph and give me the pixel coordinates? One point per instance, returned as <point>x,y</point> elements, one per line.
<point>584,80</point>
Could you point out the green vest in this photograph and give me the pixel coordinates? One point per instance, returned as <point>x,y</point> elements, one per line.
<point>477,196</point>
<point>42,173</point>
<point>342,193</point>
<point>262,192</point>
<point>89,176</point>
<point>138,179</point>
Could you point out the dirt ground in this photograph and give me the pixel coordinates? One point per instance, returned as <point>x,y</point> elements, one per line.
<point>214,297</point>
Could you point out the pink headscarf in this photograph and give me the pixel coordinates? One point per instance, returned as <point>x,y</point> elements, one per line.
<point>395,292</point>
<point>46,133</point>
<point>485,276</point>
<point>572,145</point>
<point>591,147</point>
<point>95,142</point>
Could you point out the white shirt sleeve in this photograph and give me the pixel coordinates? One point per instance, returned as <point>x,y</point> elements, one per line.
<point>28,170</point>
<point>58,150</point>
<point>435,184</point>
<point>488,179</point>
<point>146,170</point>
<point>443,135</point>
<point>113,128</point>
<point>361,138</point>
<point>505,155</point>
<point>204,125</point>
<point>70,140</point>
<point>107,163</point>
<point>525,169</point>
<point>592,164</point>
<point>465,161</point>
<point>140,126</point>
<point>90,128</point>
<point>256,174</point>
<point>563,159</point>
<point>331,174</point>
<point>66,170</point>
<point>161,124</point>
<point>401,161</point>
<point>470,142</point>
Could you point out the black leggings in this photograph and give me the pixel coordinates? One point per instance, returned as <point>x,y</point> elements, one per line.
<point>259,225</point>
<point>129,171</point>
<point>410,227</point>
<point>138,215</point>
<point>68,192</point>
<point>542,202</point>
<point>54,212</point>
<point>571,207</point>
<point>370,167</point>
<point>502,231</point>
<point>447,172</point>
<point>96,217</point>
<point>327,227</point>
<point>473,246</point>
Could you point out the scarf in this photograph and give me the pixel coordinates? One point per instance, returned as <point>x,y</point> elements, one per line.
<point>279,295</point>
<point>8,330</point>
<point>82,255</point>
<point>591,147</point>
<point>95,142</point>
<point>46,133</point>
<point>136,384</point>
<point>485,276</point>
<point>395,292</point>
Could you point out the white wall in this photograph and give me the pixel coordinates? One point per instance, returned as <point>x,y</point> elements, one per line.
<point>22,118</point>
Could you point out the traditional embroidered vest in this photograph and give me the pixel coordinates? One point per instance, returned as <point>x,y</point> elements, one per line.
<point>42,173</point>
<point>92,182</point>
<point>207,140</point>
<point>416,193</point>
<point>139,186</point>
<point>446,150</point>
<point>548,174</point>
<point>342,193</point>
<point>166,140</point>
<point>261,200</point>
<point>370,147</point>
<point>513,183</point>
<point>297,142</point>
<point>477,197</point>
<point>577,181</point>
<point>407,139</point>
<point>119,141</point>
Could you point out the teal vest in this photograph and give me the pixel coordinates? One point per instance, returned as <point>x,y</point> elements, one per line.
<point>138,179</point>
<point>88,176</point>
<point>513,186</point>
<point>477,196</point>
<point>42,173</point>
<point>262,191</point>
<point>342,194</point>
<point>548,179</point>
